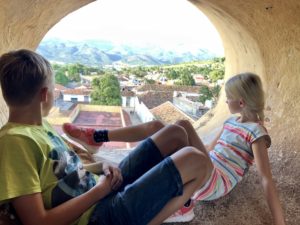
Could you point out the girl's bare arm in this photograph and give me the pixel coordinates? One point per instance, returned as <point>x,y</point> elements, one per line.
<point>213,143</point>
<point>263,166</point>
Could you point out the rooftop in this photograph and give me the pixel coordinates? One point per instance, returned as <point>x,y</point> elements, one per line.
<point>168,88</point>
<point>79,91</point>
<point>169,113</point>
<point>153,99</point>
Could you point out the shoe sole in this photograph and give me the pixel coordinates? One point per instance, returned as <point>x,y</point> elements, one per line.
<point>180,219</point>
<point>91,149</point>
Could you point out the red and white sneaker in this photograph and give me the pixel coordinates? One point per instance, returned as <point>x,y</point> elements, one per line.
<point>185,214</point>
<point>83,136</point>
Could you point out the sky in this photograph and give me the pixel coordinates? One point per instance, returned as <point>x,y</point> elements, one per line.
<point>166,23</point>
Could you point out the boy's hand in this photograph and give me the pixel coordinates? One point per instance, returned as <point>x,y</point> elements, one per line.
<point>114,173</point>
<point>104,185</point>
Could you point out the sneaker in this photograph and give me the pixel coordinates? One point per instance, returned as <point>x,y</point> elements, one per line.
<point>185,214</point>
<point>83,136</point>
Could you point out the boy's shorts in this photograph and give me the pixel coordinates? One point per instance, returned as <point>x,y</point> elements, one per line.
<point>150,181</point>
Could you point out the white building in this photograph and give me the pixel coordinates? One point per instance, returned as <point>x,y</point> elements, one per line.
<point>77,95</point>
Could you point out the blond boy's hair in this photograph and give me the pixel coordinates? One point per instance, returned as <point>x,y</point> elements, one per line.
<point>247,86</point>
<point>22,74</point>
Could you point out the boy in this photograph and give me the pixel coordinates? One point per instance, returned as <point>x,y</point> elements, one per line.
<point>38,169</point>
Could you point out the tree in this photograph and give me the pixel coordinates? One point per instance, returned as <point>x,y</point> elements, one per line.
<point>149,81</point>
<point>209,94</point>
<point>215,92</point>
<point>56,66</point>
<point>61,78</point>
<point>106,90</point>
<point>171,74</point>
<point>219,59</point>
<point>74,72</point>
<point>187,78</point>
<point>139,71</point>
<point>216,75</point>
<point>205,94</point>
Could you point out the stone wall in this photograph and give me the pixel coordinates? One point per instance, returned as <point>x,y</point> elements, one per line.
<point>263,37</point>
<point>258,36</point>
<point>23,24</point>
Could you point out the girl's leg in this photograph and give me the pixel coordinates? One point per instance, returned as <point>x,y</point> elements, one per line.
<point>193,138</point>
<point>86,136</point>
<point>125,134</point>
<point>135,133</point>
<point>170,139</point>
<point>195,169</point>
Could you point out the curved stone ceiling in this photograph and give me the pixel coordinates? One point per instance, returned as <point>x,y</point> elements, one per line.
<point>258,36</point>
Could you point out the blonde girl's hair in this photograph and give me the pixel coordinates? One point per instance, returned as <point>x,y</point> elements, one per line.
<point>247,86</point>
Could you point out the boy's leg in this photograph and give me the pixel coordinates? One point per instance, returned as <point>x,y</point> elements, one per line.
<point>152,151</point>
<point>195,169</point>
<point>193,138</point>
<point>161,191</point>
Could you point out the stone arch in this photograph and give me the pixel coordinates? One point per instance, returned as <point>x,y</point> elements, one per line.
<point>25,23</point>
<point>258,36</point>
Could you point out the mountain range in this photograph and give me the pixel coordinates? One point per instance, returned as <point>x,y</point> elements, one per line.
<point>101,52</point>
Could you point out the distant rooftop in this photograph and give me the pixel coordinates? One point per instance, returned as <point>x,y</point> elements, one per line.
<point>168,88</point>
<point>79,91</point>
<point>60,87</point>
<point>153,99</point>
<point>169,113</point>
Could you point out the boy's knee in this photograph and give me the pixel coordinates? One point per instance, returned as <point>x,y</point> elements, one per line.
<point>199,160</point>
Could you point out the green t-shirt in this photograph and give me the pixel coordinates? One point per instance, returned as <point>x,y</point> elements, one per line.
<point>35,159</point>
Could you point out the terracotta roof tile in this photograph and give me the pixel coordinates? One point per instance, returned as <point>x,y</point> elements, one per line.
<point>171,88</point>
<point>127,93</point>
<point>60,87</point>
<point>168,113</point>
<point>77,91</point>
<point>152,99</point>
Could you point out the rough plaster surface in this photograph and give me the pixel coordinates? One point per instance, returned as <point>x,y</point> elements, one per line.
<point>259,36</point>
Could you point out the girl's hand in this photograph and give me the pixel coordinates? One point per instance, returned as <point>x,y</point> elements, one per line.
<point>114,173</point>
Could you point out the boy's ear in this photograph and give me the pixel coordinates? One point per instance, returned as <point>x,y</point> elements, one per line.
<point>43,94</point>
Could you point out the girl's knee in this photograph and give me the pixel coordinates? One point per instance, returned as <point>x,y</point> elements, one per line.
<point>184,123</point>
<point>155,126</point>
<point>177,133</point>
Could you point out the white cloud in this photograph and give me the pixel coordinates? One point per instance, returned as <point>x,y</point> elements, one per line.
<point>161,22</point>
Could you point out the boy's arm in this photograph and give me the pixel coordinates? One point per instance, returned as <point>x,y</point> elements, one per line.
<point>263,166</point>
<point>213,143</point>
<point>63,214</point>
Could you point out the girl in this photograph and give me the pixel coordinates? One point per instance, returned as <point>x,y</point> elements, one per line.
<point>242,141</point>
